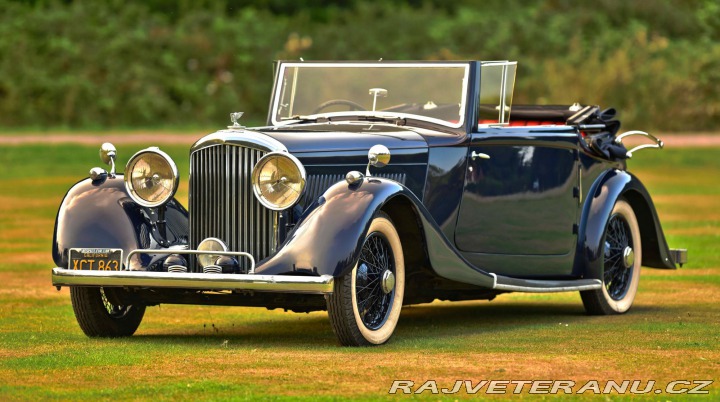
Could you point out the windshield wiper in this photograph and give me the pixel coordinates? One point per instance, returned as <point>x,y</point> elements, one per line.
<point>372,119</point>
<point>300,119</point>
<point>391,119</point>
<point>304,119</point>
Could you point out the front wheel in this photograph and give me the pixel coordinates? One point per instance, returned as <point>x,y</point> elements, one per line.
<point>622,257</point>
<point>100,313</point>
<point>365,305</point>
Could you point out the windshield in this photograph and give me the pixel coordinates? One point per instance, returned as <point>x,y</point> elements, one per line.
<point>434,92</point>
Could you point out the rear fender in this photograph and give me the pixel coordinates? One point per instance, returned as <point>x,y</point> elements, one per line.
<point>328,240</point>
<point>101,214</point>
<point>603,194</point>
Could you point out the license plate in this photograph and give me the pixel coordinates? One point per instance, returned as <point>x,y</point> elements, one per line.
<point>96,259</point>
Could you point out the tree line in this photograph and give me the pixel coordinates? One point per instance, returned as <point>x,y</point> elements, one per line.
<point>162,63</point>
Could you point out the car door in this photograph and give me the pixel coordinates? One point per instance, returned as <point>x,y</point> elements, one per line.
<point>520,202</point>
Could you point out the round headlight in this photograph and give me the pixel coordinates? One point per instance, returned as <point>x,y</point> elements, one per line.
<point>151,177</point>
<point>278,180</point>
<point>210,244</point>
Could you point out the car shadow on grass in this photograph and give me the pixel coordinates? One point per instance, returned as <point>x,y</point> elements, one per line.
<point>430,323</point>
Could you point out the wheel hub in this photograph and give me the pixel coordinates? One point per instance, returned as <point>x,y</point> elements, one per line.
<point>388,281</point>
<point>628,257</point>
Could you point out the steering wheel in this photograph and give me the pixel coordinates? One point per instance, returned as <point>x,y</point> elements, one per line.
<point>336,102</point>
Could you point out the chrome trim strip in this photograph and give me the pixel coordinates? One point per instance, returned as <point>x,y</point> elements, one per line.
<point>503,93</point>
<point>226,190</point>
<point>580,186</point>
<point>242,138</point>
<point>587,284</point>
<point>194,252</point>
<point>268,283</point>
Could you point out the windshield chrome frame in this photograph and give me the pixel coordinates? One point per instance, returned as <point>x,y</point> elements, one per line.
<point>279,87</point>
<point>503,106</point>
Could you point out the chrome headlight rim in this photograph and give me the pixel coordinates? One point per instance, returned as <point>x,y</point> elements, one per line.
<point>128,177</point>
<point>255,178</point>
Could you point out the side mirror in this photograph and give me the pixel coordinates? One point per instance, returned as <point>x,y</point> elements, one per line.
<point>108,153</point>
<point>378,156</point>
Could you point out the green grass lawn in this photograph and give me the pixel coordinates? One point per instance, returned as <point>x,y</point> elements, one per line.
<point>223,353</point>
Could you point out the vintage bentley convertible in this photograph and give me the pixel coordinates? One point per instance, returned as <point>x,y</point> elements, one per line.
<point>465,196</point>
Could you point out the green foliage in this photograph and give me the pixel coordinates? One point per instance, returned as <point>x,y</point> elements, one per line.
<point>157,63</point>
<point>117,64</point>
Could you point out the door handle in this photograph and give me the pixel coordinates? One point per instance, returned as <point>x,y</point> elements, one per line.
<point>474,155</point>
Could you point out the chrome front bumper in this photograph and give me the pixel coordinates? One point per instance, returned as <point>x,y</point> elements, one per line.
<point>200,281</point>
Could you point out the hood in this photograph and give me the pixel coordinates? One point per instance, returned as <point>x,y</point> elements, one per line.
<point>322,138</point>
<point>330,150</point>
<point>329,137</point>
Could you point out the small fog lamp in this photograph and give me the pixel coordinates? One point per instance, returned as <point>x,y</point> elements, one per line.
<point>210,244</point>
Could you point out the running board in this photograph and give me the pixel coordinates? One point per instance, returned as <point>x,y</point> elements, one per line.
<point>544,286</point>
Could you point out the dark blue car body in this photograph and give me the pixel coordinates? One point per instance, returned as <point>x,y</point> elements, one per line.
<point>480,209</point>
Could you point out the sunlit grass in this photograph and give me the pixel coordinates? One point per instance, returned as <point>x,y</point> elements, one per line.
<point>222,353</point>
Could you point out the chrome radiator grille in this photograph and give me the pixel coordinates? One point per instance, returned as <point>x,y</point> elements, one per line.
<point>222,203</point>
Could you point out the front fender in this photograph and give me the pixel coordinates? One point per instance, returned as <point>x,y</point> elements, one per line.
<point>596,212</point>
<point>101,214</point>
<point>328,240</point>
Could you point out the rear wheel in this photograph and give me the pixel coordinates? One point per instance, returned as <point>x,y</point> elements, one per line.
<point>365,306</point>
<point>100,313</point>
<point>622,257</point>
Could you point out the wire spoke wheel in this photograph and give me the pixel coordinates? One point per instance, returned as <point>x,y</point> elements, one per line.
<point>115,311</point>
<point>621,260</point>
<point>617,275</point>
<point>364,307</point>
<point>372,302</point>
